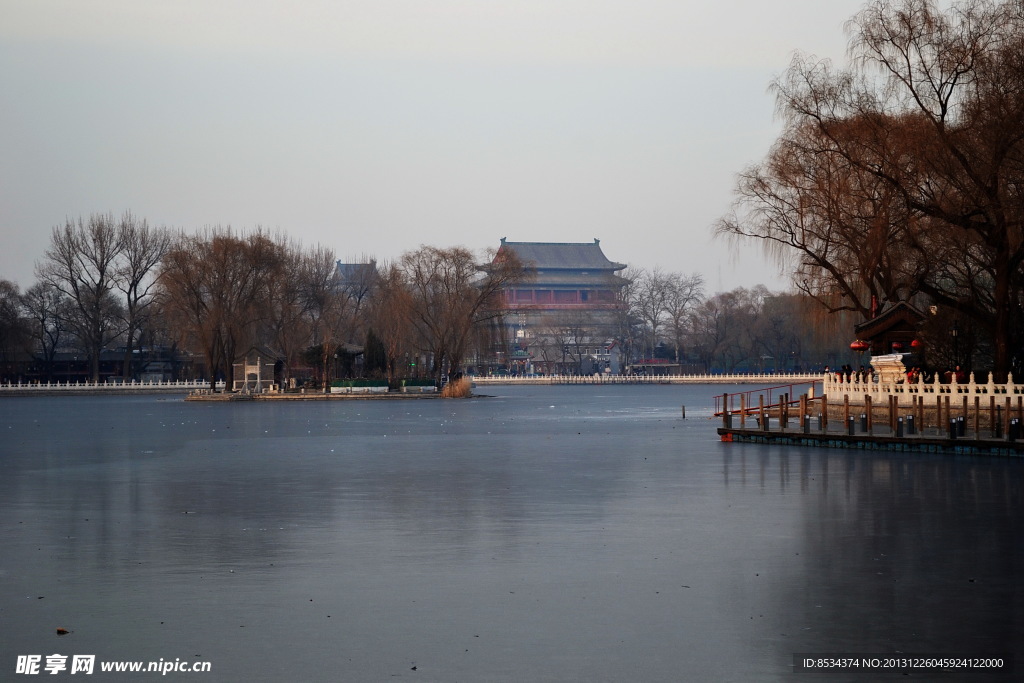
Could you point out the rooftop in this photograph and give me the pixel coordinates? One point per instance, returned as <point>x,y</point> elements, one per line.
<point>561,255</point>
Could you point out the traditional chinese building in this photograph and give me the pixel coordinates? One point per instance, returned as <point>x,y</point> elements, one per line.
<point>564,316</point>
<point>891,339</point>
<point>891,331</point>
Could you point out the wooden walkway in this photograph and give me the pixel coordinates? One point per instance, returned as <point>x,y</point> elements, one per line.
<point>854,436</point>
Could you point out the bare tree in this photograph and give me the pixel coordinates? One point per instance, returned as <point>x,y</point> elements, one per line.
<point>14,328</point>
<point>286,327</point>
<point>142,248</point>
<point>389,312</point>
<point>630,327</point>
<point>81,263</point>
<point>683,293</point>
<point>47,310</point>
<point>918,148</point>
<point>723,328</point>
<point>451,293</point>
<point>651,291</point>
<point>214,285</point>
<point>328,306</point>
<point>844,233</point>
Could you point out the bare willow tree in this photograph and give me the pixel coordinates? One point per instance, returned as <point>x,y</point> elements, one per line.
<point>451,293</point>
<point>904,174</point>
<point>286,323</point>
<point>328,306</point>
<point>844,233</point>
<point>213,285</point>
<point>388,313</point>
<point>81,263</point>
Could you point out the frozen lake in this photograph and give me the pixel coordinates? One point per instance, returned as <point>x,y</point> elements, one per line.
<point>542,534</point>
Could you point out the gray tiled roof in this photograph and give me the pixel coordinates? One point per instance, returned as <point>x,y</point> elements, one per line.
<point>556,255</point>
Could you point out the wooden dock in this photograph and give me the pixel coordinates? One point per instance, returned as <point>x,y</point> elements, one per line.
<point>930,440</point>
<point>807,421</point>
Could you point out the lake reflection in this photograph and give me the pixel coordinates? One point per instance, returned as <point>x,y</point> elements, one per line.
<point>544,533</point>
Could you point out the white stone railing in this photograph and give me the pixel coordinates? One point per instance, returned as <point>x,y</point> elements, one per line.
<point>836,387</point>
<point>99,387</point>
<point>732,378</point>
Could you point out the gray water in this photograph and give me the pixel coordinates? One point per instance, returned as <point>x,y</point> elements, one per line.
<point>542,534</point>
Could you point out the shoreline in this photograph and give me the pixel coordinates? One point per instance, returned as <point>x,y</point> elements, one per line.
<point>367,396</point>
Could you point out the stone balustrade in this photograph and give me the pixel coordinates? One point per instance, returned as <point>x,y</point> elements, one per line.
<point>836,387</point>
<point>101,387</point>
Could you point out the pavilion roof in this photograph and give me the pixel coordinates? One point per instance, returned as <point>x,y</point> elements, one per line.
<point>902,316</point>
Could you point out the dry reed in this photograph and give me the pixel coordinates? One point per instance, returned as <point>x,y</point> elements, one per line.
<point>460,388</point>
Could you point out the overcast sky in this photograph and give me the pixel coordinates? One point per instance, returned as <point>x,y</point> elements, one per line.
<point>378,125</point>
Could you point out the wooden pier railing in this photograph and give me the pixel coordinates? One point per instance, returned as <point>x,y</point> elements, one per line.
<point>978,407</point>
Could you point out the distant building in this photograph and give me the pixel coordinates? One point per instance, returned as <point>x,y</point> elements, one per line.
<point>357,280</point>
<point>565,316</point>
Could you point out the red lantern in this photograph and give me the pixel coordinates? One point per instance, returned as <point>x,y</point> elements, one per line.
<point>897,346</point>
<point>859,346</point>
<point>916,344</point>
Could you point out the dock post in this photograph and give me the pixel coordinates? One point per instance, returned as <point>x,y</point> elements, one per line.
<point>762,416</point>
<point>952,428</point>
<point>899,427</point>
<point>850,425</point>
<point>725,410</point>
<point>977,416</point>
<point>824,413</point>
<point>997,424</point>
<point>870,428</point>
<point>743,411</point>
<point>910,425</point>
<point>992,414</point>
<point>684,412</point>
